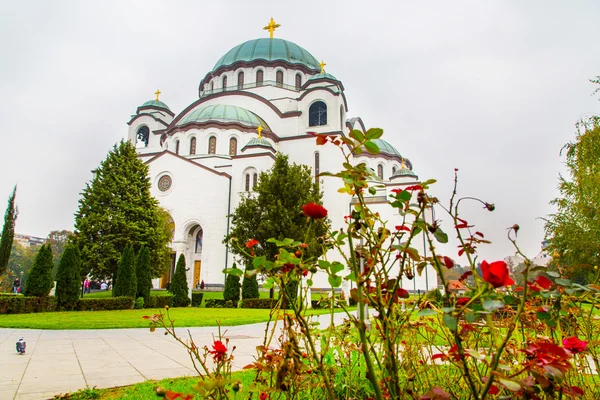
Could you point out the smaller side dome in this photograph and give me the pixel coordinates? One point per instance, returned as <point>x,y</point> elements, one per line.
<point>323,75</point>
<point>156,104</point>
<point>258,142</point>
<point>404,172</point>
<point>223,114</point>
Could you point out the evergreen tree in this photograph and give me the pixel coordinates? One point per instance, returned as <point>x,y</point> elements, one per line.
<point>8,231</point>
<point>250,285</point>
<point>144,274</point>
<point>68,277</point>
<point>40,282</point>
<point>179,285</point>
<point>116,210</point>
<point>276,212</point>
<point>126,283</point>
<point>232,287</point>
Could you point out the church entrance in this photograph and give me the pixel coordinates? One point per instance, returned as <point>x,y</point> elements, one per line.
<point>168,275</point>
<point>197,273</point>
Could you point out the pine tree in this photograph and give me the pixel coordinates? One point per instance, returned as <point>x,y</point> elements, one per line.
<point>232,287</point>
<point>40,282</point>
<point>8,231</point>
<point>68,278</point>
<point>179,285</point>
<point>250,286</point>
<point>144,274</point>
<point>126,283</point>
<point>116,209</point>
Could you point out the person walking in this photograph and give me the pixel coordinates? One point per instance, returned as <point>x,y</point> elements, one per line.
<point>16,285</point>
<point>86,286</point>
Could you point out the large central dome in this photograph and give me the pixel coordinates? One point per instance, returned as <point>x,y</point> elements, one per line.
<point>269,50</point>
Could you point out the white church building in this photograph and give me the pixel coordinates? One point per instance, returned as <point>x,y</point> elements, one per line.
<point>261,97</point>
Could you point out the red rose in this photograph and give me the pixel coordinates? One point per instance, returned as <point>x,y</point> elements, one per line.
<point>251,243</point>
<point>544,282</point>
<point>448,262</point>
<point>305,272</point>
<point>219,350</point>
<point>315,211</point>
<point>402,228</point>
<point>402,293</point>
<point>574,345</point>
<point>263,396</point>
<point>461,301</point>
<point>496,273</point>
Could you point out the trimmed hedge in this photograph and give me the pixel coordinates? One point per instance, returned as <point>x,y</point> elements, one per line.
<point>197,299</point>
<point>219,303</point>
<point>13,304</point>
<point>109,303</point>
<point>159,301</point>
<point>258,303</point>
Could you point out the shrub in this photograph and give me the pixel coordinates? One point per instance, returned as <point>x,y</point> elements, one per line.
<point>179,286</point>
<point>232,287</point>
<point>24,305</point>
<point>40,282</point>
<point>105,304</point>
<point>219,303</point>
<point>250,286</point>
<point>139,303</point>
<point>143,273</point>
<point>258,303</point>
<point>197,299</point>
<point>159,301</point>
<point>126,282</point>
<point>434,296</point>
<point>68,278</point>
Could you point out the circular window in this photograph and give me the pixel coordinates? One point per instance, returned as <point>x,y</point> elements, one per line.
<point>164,183</point>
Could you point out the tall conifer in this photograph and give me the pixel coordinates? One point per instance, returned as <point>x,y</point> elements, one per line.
<point>39,281</point>
<point>143,273</point>
<point>68,278</point>
<point>8,231</point>
<point>179,285</point>
<point>126,282</point>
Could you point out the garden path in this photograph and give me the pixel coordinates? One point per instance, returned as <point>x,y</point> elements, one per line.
<point>61,361</point>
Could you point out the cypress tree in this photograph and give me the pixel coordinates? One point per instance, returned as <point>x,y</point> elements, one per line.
<point>144,274</point>
<point>179,285</point>
<point>232,287</point>
<point>126,282</point>
<point>68,277</point>
<point>8,231</point>
<point>39,281</point>
<point>250,285</point>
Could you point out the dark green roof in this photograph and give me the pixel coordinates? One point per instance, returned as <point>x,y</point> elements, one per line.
<point>324,75</point>
<point>404,172</point>
<point>223,113</point>
<point>258,142</point>
<point>155,104</point>
<point>269,50</point>
<point>386,148</point>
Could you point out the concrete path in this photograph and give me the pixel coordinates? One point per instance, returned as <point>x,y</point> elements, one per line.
<point>64,361</point>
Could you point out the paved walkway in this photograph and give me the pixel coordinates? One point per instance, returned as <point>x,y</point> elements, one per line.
<point>67,360</point>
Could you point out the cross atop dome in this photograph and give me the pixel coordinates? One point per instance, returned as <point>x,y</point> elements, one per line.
<point>157,93</point>
<point>271,27</point>
<point>322,65</point>
<point>259,130</point>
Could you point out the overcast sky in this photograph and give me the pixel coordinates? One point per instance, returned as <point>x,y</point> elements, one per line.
<point>493,88</point>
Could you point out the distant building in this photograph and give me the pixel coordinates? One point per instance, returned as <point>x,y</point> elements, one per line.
<point>28,241</point>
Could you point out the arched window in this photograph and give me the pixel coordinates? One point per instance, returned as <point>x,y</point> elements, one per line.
<point>212,86</point>
<point>241,80</point>
<point>199,241</point>
<point>192,146</point>
<point>259,77</point>
<point>342,117</point>
<point>212,145</point>
<point>224,83</point>
<point>143,135</point>
<point>380,171</point>
<point>394,170</point>
<point>177,147</point>
<point>247,182</point>
<point>317,167</point>
<point>254,180</point>
<point>298,81</point>
<point>317,114</point>
<point>232,146</point>
<point>279,78</point>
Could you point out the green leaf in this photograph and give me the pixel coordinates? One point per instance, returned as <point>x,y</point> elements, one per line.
<point>426,312</point>
<point>233,271</point>
<point>553,274</point>
<point>492,305</point>
<point>372,147</point>
<point>440,236</point>
<point>324,264</point>
<point>335,280</point>
<point>403,196</point>
<point>356,134</point>
<point>450,322</point>
<point>374,133</point>
<point>471,317</point>
<point>351,277</point>
<point>562,282</point>
<point>268,284</point>
<point>510,385</point>
<point>309,282</point>
<point>372,191</point>
<point>336,267</point>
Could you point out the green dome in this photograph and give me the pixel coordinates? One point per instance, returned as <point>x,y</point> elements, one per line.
<point>323,76</point>
<point>404,172</point>
<point>258,142</point>
<point>269,50</point>
<point>155,104</point>
<point>224,113</point>
<point>386,148</point>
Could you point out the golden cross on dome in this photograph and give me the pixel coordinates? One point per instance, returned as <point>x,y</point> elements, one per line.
<point>403,166</point>
<point>322,65</point>
<point>271,27</point>
<point>259,130</point>
<point>157,93</point>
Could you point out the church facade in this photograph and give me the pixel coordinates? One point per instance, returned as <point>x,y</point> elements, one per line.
<point>262,97</point>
